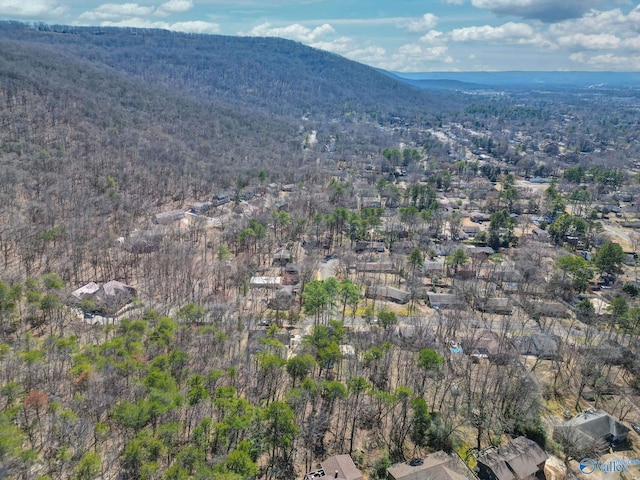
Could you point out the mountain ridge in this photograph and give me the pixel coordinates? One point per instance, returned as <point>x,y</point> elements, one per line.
<point>278,76</point>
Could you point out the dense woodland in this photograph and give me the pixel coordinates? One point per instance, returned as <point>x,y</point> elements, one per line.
<point>201,375</point>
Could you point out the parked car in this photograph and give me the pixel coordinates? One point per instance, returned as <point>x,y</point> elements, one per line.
<point>635,427</point>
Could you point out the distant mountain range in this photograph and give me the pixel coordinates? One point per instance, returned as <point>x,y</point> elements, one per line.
<point>519,80</point>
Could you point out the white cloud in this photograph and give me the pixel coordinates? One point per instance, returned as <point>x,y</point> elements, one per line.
<point>608,61</point>
<point>174,6</point>
<point>369,55</point>
<point>296,32</point>
<point>340,45</point>
<point>196,26</point>
<point>592,42</point>
<point>186,27</point>
<point>30,8</point>
<point>426,22</point>
<point>509,32</point>
<point>432,36</point>
<point>415,57</point>
<point>115,11</point>
<point>600,22</point>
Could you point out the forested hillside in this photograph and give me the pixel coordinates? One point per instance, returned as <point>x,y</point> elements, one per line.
<point>266,74</point>
<point>235,258</point>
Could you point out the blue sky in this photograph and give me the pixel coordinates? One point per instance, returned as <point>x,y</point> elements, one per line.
<point>398,35</point>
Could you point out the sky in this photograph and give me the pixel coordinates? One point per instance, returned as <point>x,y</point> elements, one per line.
<point>396,35</point>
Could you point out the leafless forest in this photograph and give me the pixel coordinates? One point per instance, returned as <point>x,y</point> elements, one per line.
<point>233,258</point>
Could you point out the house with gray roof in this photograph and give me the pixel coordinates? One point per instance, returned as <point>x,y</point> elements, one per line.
<point>376,267</point>
<point>445,300</point>
<point>519,459</point>
<point>545,346</point>
<point>365,246</point>
<point>166,218</point>
<point>438,465</point>
<point>431,267</point>
<point>281,258</point>
<point>591,431</point>
<point>391,294</point>
<point>500,306</point>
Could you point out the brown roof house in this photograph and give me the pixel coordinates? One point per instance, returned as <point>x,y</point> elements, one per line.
<point>590,432</point>
<point>339,467</point>
<point>519,459</point>
<point>435,466</point>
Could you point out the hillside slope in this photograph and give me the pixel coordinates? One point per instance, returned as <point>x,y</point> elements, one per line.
<point>278,76</point>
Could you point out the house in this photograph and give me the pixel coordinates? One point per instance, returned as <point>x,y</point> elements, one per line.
<point>479,252</point>
<point>519,459</point>
<point>479,217</point>
<point>281,257</point>
<point>282,299</point>
<point>388,293</point>
<point>222,198</point>
<point>438,465</point>
<point>199,208</point>
<point>375,267</point>
<point>248,193</point>
<point>281,205</point>
<point>445,300</point>
<point>413,337</point>
<point>500,306</point>
<point>539,234</point>
<point>166,218</point>
<point>470,229</point>
<point>108,298</point>
<point>338,467</point>
<point>289,187</point>
<point>590,431</point>
<point>433,267</point>
<point>115,289</point>
<point>541,345</point>
<point>364,246</point>
<point>402,246</point>
<point>483,344</point>
<point>265,282</point>
<point>291,274</point>
<point>502,275</point>
<point>86,292</point>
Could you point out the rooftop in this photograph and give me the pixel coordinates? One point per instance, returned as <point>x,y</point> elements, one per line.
<point>519,458</point>
<point>438,465</point>
<point>340,467</point>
